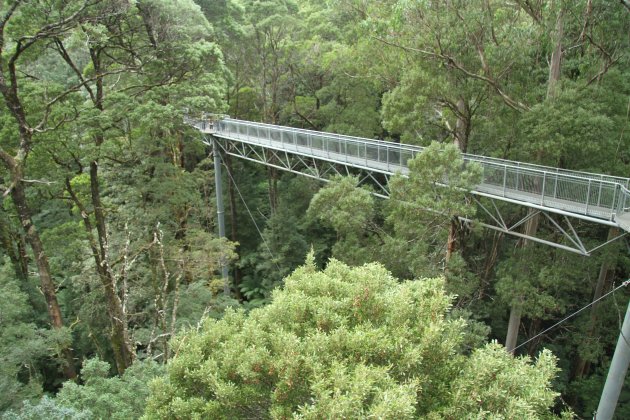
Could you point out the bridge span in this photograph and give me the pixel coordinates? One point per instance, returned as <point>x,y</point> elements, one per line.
<point>558,194</point>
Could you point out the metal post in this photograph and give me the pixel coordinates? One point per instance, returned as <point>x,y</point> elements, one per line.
<point>218,184</point>
<point>616,373</point>
<point>542,199</point>
<point>504,178</point>
<point>588,195</point>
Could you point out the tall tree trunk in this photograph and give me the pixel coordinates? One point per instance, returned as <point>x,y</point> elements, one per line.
<point>12,247</point>
<point>531,227</point>
<point>123,354</point>
<point>462,126</point>
<point>18,194</point>
<point>555,65</point>
<point>513,325</point>
<point>119,336</point>
<point>121,345</point>
<point>462,132</point>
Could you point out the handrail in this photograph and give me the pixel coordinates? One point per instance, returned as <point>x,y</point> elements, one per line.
<point>593,195</point>
<point>625,182</point>
<point>467,156</point>
<point>624,203</point>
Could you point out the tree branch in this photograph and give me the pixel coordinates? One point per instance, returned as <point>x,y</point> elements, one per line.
<point>47,31</point>
<point>64,54</point>
<point>451,62</point>
<point>7,159</point>
<point>5,19</point>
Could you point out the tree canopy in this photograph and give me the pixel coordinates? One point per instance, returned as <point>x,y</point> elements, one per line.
<point>110,257</point>
<point>348,342</point>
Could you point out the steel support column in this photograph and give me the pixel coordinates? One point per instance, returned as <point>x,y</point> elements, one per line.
<point>616,374</point>
<point>218,183</point>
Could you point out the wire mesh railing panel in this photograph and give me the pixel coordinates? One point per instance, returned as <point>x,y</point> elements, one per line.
<point>579,192</point>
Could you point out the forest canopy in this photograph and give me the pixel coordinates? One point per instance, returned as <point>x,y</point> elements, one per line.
<point>110,254</point>
<point>348,343</point>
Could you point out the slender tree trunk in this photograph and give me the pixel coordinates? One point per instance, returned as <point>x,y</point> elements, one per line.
<point>555,65</point>
<point>123,354</point>
<point>145,13</point>
<point>513,325</point>
<point>462,126</point>
<point>462,132</point>
<point>119,336</point>
<point>534,329</point>
<point>451,244</point>
<point>18,194</point>
<point>121,345</point>
<point>12,247</point>
<point>531,227</point>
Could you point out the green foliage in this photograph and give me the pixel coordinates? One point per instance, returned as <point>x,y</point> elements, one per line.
<point>495,385</point>
<point>422,206</point>
<point>575,130</point>
<point>351,211</point>
<point>346,342</point>
<point>345,207</point>
<point>24,347</point>
<point>539,280</point>
<point>437,182</point>
<point>47,408</point>
<point>117,397</point>
<point>410,71</point>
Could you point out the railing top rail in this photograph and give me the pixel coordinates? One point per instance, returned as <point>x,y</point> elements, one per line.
<point>564,173</point>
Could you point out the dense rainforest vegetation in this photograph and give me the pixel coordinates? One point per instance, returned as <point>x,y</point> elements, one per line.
<point>340,304</point>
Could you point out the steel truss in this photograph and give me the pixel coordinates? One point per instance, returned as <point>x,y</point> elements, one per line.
<point>318,169</point>
<point>560,223</point>
<point>322,169</point>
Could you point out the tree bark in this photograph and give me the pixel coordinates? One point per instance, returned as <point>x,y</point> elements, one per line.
<point>513,325</point>
<point>15,167</point>
<point>119,336</point>
<point>462,126</point>
<point>18,194</point>
<point>556,58</point>
<point>531,227</point>
<point>121,345</point>
<point>123,353</point>
<point>462,132</point>
<point>12,247</point>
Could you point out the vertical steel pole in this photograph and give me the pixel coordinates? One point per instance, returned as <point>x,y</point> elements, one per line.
<point>616,373</point>
<point>218,184</point>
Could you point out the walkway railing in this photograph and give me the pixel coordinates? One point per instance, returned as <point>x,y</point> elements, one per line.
<point>583,193</point>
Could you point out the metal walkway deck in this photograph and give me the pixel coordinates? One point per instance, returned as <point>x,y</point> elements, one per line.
<point>597,198</point>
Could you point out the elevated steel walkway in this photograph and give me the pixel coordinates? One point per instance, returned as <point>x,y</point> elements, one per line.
<point>596,198</point>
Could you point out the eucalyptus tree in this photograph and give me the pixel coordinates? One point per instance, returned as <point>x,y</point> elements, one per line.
<point>94,62</point>
<point>27,31</point>
<point>584,44</point>
<point>143,55</point>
